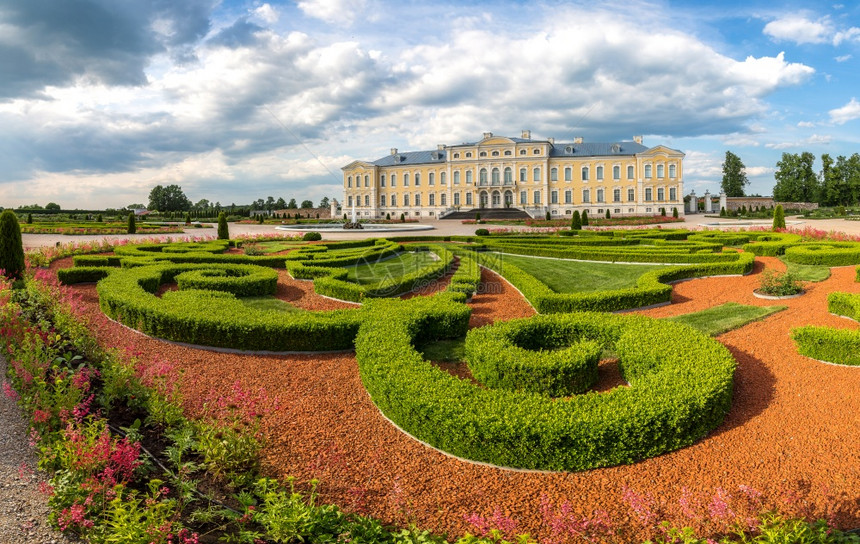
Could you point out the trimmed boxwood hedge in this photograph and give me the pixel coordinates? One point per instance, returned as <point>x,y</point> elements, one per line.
<point>839,346</point>
<point>826,253</point>
<point>242,281</point>
<point>681,388</point>
<point>524,355</point>
<point>770,244</point>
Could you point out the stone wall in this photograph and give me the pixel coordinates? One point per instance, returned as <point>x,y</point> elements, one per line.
<point>737,202</point>
<point>305,213</point>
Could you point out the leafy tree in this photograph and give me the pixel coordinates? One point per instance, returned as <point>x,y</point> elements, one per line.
<point>280,204</point>
<point>11,247</point>
<point>778,217</point>
<point>325,203</point>
<point>202,204</point>
<point>795,179</point>
<point>132,225</point>
<point>270,203</point>
<point>223,231</point>
<point>168,199</point>
<point>734,175</point>
<point>576,221</point>
<point>307,204</point>
<point>51,206</point>
<point>99,218</point>
<point>292,204</point>
<point>584,218</point>
<point>135,207</point>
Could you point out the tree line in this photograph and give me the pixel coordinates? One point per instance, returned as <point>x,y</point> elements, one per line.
<point>836,184</point>
<point>172,199</point>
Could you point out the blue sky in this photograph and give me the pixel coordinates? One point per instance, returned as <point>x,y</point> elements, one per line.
<point>101,100</point>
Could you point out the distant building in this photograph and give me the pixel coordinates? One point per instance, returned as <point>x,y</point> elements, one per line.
<point>537,176</point>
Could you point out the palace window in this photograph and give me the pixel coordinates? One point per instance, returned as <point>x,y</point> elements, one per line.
<point>522,151</point>
<point>495,176</point>
<point>586,196</point>
<point>483,154</point>
<point>568,197</point>
<point>468,177</point>
<point>536,152</point>
<point>382,180</point>
<point>431,179</point>
<point>661,194</point>
<point>553,174</point>
<point>673,194</point>
<point>648,194</point>
<point>584,173</point>
<point>456,155</point>
<point>468,154</point>
<point>536,174</point>
<point>600,195</point>
<point>568,173</point>
<point>648,171</point>
<point>431,199</point>
<point>672,171</point>
<point>508,153</point>
<point>536,196</point>
<point>509,175</point>
<point>443,178</point>
<point>456,199</point>
<point>630,174</point>
<point>382,201</point>
<point>616,195</point>
<point>631,195</point>
<point>405,199</point>
<point>367,181</point>
<point>457,177</point>
<point>523,175</point>
<point>660,170</point>
<point>417,179</point>
<point>495,153</point>
<point>443,198</point>
<point>349,182</point>
<point>367,200</point>
<point>406,180</point>
<point>599,173</point>
<point>554,197</point>
<point>349,201</point>
<point>524,198</point>
<point>482,177</point>
<point>468,199</point>
<point>616,172</point>
<point>393,180</point>
<point>417,199</point>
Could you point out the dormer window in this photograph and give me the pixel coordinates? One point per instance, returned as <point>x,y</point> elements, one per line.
<point>568,149</point>
<point>508,153</point>
<point>536,151</point>
<point>616,148</point>
<point>495,153</point>
<point>483,154</point>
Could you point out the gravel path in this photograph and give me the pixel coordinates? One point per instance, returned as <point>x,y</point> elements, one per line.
<point>23,509</point>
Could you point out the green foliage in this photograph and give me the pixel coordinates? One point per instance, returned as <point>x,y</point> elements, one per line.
<point>402,217</point>
<point>548,217</point>
<point>584,218</point>
<point>132,224</point>
<point>608,216</point>
<point>223,229</point>
<point>770,244</point>
<point>681,387</point>
<point>168,199</point>
<point>482,232</point>
<point>734,176</point>
<point>777,284</point>
<point>29,218</point>
<point>824,253</point>
<point>12,262</point>
<point>312,237</point>
<point>778,217</point>
<point>795,179</point>
<point>575,221</point>
<point>675,212</point>
<point>99,218</point>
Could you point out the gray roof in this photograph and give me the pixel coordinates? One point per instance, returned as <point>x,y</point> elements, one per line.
<point>586,149</point>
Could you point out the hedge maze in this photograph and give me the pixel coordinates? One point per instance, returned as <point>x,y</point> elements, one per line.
<point>534,408</point>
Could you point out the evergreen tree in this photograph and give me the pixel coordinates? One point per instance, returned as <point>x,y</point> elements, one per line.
<point>584,218</point>
<point>223,231</point>
<point>723,211</point>
<point>734,175</point>
<point>11,247</point>
<point>29,218</point>
<point>608,216</point>
<point>576,221</point>
<point>132,225</point>
<point>675,212</point>
<point>778,218</point>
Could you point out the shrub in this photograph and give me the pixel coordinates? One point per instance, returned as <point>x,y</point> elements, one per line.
<point>675,212</point>
<point>663,212</point>
<point>99,218</point>
<point>778,217</point>
<point>223,230</point>
<point>584,218</point>
<point>402,217</point>
<point>29,218</point>
<point>779,285</point>
<point>722,211</point>
<point>187,218</point>
<point>132,225</point>
<point>312,237</point>
<point>477,216</point>
<point>608,216</point>
<point>575,221</point>
<point>388,217</point>
<point>482,232</point>
<point>824,253</point>
<point>548,217</point>
<point>12,261</point>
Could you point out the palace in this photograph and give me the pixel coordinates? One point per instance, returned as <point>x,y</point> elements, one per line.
<point>533,175</point>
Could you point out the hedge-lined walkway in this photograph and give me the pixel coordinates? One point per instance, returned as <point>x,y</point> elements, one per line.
<point>793,425</point>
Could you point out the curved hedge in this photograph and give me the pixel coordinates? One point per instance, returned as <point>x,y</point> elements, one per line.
<point>524,355</point>
<point>770,244</point>
<point>824,253</point>
<point>242,281</point>
<point>838,346</point>
<point>681,388</point>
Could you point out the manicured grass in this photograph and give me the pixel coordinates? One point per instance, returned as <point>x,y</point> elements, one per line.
<point>726,317</point>
<point>808,272</point>
<point>400,264</point>
<point>268,304</point>
<point>276,246</point>
<point>444,351</point>
<point>578,277</point>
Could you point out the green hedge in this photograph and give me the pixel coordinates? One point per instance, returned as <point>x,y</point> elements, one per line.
<point>242,281</point>
<point>770,244</point>
<point>721,237</point>
<point>524,355</point>
<point>827,254</point>
<point>838,346</point>
<point>82,274</point>
<point>681,388</point>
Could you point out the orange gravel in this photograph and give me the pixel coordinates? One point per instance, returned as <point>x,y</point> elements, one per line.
<point>791,432</point>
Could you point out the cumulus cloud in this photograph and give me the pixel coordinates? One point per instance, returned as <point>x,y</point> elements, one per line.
<point>800,29</point>
<point>759,171</point>
<point>266,13</point>
<point>814,140</point>
<point>343,12</point>
<point>848,112</point>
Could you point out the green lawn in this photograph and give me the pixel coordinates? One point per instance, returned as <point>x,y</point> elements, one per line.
<point>400,264</point>
<point>268,304</point>
<point>276,246</point>
<point>444,351</point>
<point>577,277</point>
<point>808,272</point>
<point>726,317</point>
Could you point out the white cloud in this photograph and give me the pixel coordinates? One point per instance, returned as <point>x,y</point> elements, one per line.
<point>266,13</point>
<point>849,35</point>
<point>842,58</point>
<point>848,112</point>
<point>698,164</point>
<point>343,12</point>
<point>757,171</point>
<point>806,124</point>
<point>814,140</point>
<point>799,29</point>
<point>736,140</point>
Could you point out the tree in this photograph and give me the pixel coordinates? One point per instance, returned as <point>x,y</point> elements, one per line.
<point>11,247</point>
<point>575,221</point>
<point>168,199</point>
<point>132,225</point>
<point>51,206</point>
<point>29,218</point>
<point>325,203</point>
<point>778,217</point>
<point>609,216</point>
<point>307,204</point>
<point>795,179</point>
<point>223,231</point>
<point>584,218</point>
<point>675,212</point>
<point>280,204</point>
<point>734,175</point>
<point>202,204</point>
<point>135,207</point>
<point>270,203</point>
<point>292,204</point>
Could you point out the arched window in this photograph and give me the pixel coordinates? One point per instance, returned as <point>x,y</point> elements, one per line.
<point>536,175</point>
<point>495,153</point>
<point>647,170</point>
<point>456,155</point>
<point>456,199</point>
<point>616,195</point>
<point>468,177</point>
<point>661,170</point>
<point>417,199</point>
<point>483,154</point>
<point>468,154</point>
<point>553,174</point>
<point>523,175</point>
<point>406,180</point>
<point>630,172</point>
<point>586,196</point>
<point>568,173</point>
<point>584,173</point>
<point>482,177</point>
<point>508,153</point>
<point>431,179</point>
<point>495,176</point>
<point>616,172</point>
<point>522,151</point>
<point>417,179</point>
<point>509,175</point>
<point>599,173</point>
<point>432,199</point>
<point>405,199</point>
<point>349,182</point>
<point>367,181</point>
<point>468,199</point>
<point>457,177</point>
<point>672,171</point>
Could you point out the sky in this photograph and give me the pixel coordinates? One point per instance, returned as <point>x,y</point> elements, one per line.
<point>233,100</point>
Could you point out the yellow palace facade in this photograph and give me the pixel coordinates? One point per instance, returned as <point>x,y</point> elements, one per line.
<point>534,175</point>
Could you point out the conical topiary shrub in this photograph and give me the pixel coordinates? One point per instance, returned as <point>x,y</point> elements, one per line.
<point>778,217</point>
<point>576,221</point>
<point>584,218</point>
<point>132,224</point>
<point>223,231</point>
<point>11,248</point>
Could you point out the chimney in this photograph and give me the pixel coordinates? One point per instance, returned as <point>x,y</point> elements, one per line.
<point>527,135</point>
<point>488,135</point>
<point>638,139</point>
<point>394,151</point>
<point>577,140</point>
<point>440,147</point>
<point>551,141</point>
